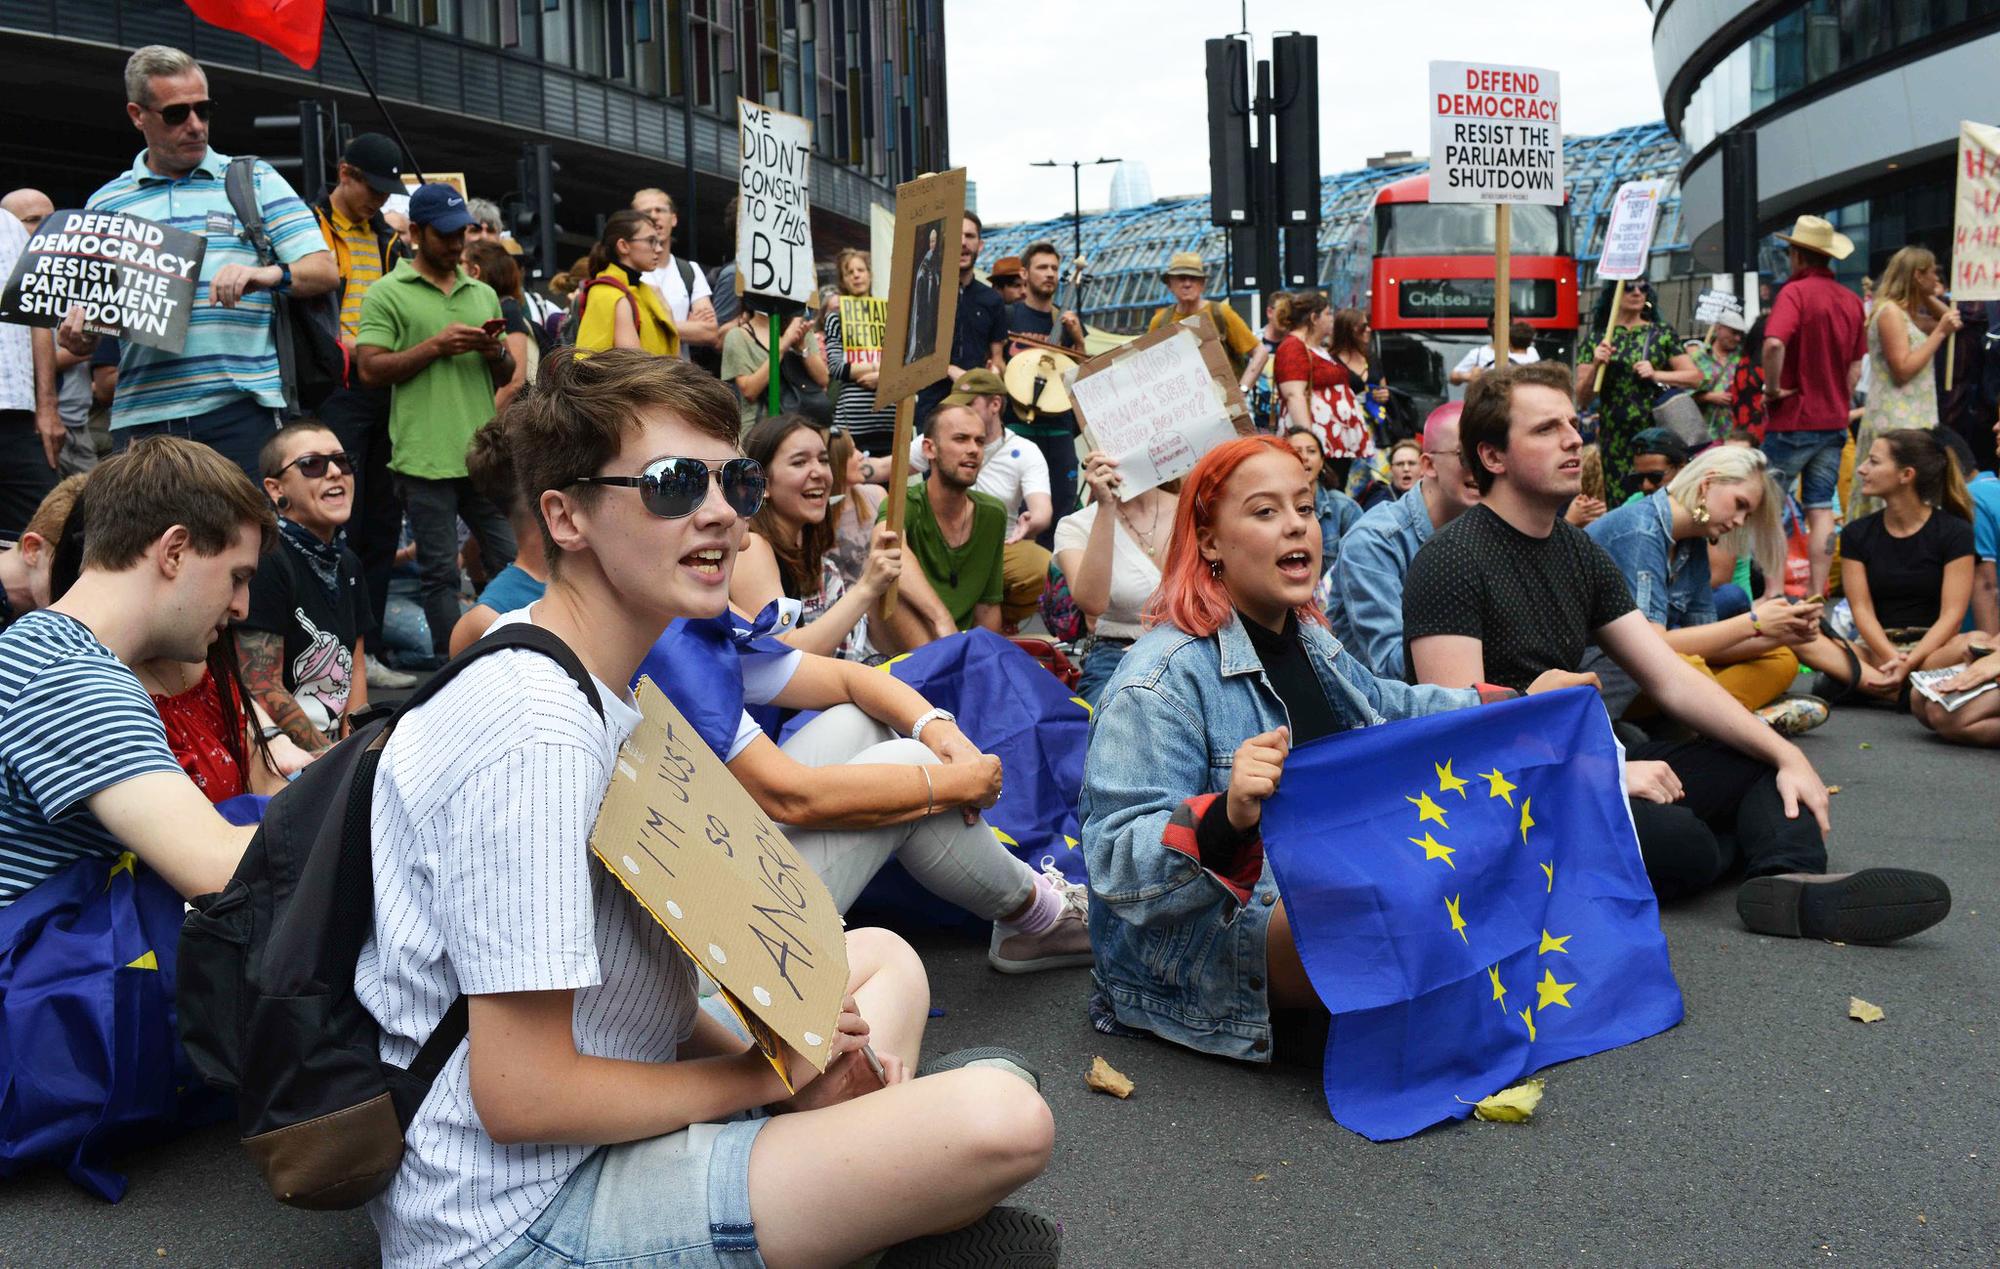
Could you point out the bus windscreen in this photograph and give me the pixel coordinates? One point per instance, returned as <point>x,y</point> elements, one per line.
<point>1466,229</point>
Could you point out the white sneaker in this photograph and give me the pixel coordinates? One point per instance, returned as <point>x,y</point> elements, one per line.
<point>386,679</point>
<point>1062,946</point>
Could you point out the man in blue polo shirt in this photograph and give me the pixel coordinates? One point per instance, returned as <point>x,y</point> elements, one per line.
<point>223,387</point>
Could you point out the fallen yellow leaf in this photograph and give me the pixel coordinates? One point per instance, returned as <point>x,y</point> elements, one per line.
<point>1261,1176</point>
<point>1861,1011</point>
<point>1510,1105</point>
<point>1105,1079</point>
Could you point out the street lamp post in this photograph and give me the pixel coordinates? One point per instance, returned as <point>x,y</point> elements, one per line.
<point>1076,167</point>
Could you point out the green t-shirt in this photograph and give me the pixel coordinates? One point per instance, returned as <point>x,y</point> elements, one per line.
<point>743,355</point>
<point>431,417</point>
<point>965,576</point>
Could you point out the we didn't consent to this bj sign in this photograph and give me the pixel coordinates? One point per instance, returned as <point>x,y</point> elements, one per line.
<point>774,253</point>
<point>1496,134</point>
<point>132,277</point>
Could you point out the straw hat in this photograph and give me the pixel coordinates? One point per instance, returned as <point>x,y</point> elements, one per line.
<point>1185,264</point>
<point>1815,234</point>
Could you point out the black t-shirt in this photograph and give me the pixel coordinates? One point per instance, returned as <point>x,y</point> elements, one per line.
<point>981,322</point>
<point>1533,603</point>
<point>1022,320</point>
<point>1906,575</point>
<point>1293,678</point>
<point>319,628</point>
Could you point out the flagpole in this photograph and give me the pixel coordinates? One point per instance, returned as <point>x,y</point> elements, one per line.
<point>416,169</point>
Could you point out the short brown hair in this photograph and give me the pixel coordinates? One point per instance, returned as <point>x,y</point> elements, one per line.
<point>1489,409</point>
<point>163,481</point>
<point>496,268</point>
<point>52,513</point>
<point>576,417</point>
<point>1040,249</point>
<point>489,462</point>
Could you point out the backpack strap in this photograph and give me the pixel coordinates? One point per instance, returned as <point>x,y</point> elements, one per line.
<point>686,271</point>
<point>240,181</point>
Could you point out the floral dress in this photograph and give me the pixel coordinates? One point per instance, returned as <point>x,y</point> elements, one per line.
<point>1625,403</point>
<point>1715,376</point>
<point>1337,416</point>
<point>1890,405</point>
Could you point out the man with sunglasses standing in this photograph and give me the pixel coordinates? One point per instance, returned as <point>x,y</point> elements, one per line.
<point>223,388</point>
<point>433,333</point>
<point>303,640</point>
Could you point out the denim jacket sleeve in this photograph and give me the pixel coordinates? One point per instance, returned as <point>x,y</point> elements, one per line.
<point>1628,537</point>
<point>1147,780</point>
<point>1371,590</point>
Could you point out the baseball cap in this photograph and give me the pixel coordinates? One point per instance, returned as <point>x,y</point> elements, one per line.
<point>440,207</point>
<point>378,159</point>
<point>1658,440</point>
<point>1005,267</point>
<point>974,384</point>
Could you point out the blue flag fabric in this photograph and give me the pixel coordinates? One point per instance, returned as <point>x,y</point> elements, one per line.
<point>1468,898</point>
<point>89,1059</point>
<point>698,663</point>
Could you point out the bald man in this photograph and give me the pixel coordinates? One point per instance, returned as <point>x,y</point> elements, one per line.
<point>30,206</point>
<point>77,452</point>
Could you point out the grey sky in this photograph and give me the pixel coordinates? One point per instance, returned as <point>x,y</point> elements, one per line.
<point>1064,79</point>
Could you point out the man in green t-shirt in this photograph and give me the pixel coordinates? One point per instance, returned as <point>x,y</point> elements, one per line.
<point>433,334</point>
<point>957,535</point>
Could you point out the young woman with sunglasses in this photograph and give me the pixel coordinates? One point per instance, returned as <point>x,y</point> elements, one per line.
<point>617,307</point>
<point>1640,356</point>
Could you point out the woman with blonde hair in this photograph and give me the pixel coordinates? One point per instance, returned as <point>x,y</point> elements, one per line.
<point>1902,392</point>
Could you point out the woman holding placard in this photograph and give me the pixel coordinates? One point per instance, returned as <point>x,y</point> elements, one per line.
<point>1314,388</point>
<point>1640,358</point>
<point>1110,553</point>
<point>617,308</point>
<point>853,330</point>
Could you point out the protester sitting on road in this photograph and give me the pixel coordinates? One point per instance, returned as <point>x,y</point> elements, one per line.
<point>1639,355</point>
<point>1335,511</point>
<point>789,557</point>
<point>302,641</point>
<point>490,467</point>
<point>591,1079</point>
<point>1657,456</point>
<point>1365,610</point>
<point>802,366</point>
<point>1192,941</point>
<point>873,429</point>
<point>1907,569</point>
<point>25,564</point>
<point>956,534</point>
<point>1313,387</point>
<point>488,262</point>
<point>1902,388</point>
<point>1977,721</point>
<point>1406,464</point>
<point>1509,591</point>
<point>1983,487</point>
<point>1109,553</point>
<point>614,306</point>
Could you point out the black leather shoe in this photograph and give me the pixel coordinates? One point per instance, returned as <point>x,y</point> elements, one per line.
<point>1875,905</point>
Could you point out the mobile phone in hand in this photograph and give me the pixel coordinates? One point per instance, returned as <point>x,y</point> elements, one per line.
<point>496,327</point>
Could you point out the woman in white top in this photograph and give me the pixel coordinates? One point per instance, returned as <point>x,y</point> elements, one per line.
<point>1112,561</point>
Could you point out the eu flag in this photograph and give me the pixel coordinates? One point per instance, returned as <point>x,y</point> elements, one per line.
<point>1468,899</point>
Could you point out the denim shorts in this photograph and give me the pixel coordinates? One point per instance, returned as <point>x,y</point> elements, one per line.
<point>1811,458</point>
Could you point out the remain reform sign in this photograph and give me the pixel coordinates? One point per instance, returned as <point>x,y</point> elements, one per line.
<point>1496,134</point>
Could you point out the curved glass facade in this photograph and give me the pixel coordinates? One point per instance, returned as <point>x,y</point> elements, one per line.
<point>1809,44</point>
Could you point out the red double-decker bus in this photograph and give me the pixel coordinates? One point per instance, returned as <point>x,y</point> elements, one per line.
<point>1431,285</point>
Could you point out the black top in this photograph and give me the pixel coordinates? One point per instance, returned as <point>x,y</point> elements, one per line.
<point>1906,575</point>
<point>1533,603</point>
<point>981,322</point>
<point>319,626</point>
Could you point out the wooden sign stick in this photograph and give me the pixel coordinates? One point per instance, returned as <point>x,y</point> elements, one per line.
<point>1503,281</point>
<point>1610,322</point>
<point>899,488</point>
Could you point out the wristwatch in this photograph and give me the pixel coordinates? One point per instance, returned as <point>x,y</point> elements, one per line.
<point>929,716</point>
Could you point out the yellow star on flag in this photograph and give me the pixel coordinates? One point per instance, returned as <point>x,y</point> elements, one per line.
<point>1550,943</point>
<point>1447,782</point>
<point>126,862</point>
<point>1499,989</point>
<point>145,960</point>
<point>1435,849</point>
<point>1551,991</point>
<point>1497,786</point>
<point>1549,867</point>
<point>1527,820</point>
<point>1427,809</point>
<point>1457,921</point>
<point>1528,1016</point>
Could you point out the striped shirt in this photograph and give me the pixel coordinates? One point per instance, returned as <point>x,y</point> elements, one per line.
<point>73,722</point>
<point>484,883</point>
<point>229,352</point>
<point>358,252</point>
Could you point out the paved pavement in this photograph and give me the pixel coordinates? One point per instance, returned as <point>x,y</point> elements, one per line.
<point>1766,1129</point>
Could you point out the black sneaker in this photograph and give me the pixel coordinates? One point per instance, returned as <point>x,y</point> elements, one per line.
<point>1875,905</point>
<point>1004,1238</point>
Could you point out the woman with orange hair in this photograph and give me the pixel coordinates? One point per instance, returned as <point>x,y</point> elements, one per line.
<point>1189,938</point>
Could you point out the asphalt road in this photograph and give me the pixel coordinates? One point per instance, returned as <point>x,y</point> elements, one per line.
<point>1766,1129</point>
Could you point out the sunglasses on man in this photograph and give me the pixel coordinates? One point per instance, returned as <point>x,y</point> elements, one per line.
<point>1637,481</point>
<point>672,488</point>
<point>314,466</point>
<point>175,116</point>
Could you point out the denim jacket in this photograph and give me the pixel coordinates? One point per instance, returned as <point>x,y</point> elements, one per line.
<point>1180,949</point>
<point>1366,607</point>
<point>1669,579</point>
<point>1337,513</point>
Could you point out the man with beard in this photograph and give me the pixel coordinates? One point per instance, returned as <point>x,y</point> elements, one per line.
<point>1053,434</point>
<point>957,534</point>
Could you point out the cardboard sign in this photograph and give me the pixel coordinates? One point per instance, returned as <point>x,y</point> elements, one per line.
<point>923,285</point>
<point>774,252</point>
<point>1710,305</point>
<point>706,862</point>
<point>454,179</point>
<point>1975,243</point>
<point>1628,237</point>
<point>862,318</point>
<point>881,247</point>
<point>134,278</point>
<point>1159,403</point>
<point>1496,134</point>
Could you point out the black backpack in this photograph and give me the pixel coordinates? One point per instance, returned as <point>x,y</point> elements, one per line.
<point>306,331</point>
<point>266,997</point>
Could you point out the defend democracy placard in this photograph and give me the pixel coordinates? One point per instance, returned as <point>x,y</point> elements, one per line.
<point>1496,134</point>
<point>774,254</point>
<point>134,278</point>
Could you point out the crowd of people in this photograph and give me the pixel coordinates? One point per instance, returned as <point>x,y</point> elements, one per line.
<point>197,611</point>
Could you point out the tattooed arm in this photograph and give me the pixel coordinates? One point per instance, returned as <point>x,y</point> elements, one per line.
<point>262,654</point>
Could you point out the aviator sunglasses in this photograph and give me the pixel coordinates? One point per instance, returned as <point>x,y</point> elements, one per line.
<point>175,116</point>
<point>672,488</point>
<point>314,466</point>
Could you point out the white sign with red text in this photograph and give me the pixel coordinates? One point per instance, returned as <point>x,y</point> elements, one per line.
<point>1975,245</point>
<point>1496,134</point>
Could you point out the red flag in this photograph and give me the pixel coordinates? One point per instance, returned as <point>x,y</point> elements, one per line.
<point>290,26</point>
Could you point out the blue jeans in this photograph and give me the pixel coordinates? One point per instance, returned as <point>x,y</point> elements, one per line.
<point>1812,459</point>
<point>237,431</point>
<point>1098,666</point>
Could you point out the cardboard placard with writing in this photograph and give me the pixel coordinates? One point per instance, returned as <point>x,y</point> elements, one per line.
<point>1628,235</point>
<point>706,862</point>
<point>1975,243</point>
<point>774,251</point>
<point>1160,402</point>
<point>134,278</point>
<point>923,285</point>
<point>1496,134</point>
<point>862,318</point>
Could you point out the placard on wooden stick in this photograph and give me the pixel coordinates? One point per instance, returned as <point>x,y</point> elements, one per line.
<point>923,287</point>
<point>1160,402</point>
<point>707,864</point>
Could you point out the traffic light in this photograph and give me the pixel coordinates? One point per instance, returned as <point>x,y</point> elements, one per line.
<point>535,225</point>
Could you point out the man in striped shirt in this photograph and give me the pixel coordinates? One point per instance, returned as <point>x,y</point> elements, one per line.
<point>172,534</point>
<point>223,387</point>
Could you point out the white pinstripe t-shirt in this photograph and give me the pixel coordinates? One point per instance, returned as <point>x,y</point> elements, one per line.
<point>484,883</point>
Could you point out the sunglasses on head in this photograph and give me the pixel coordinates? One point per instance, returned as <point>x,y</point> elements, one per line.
<point>671,488</point>
<point>175,116</point>
<point>314,466</point>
